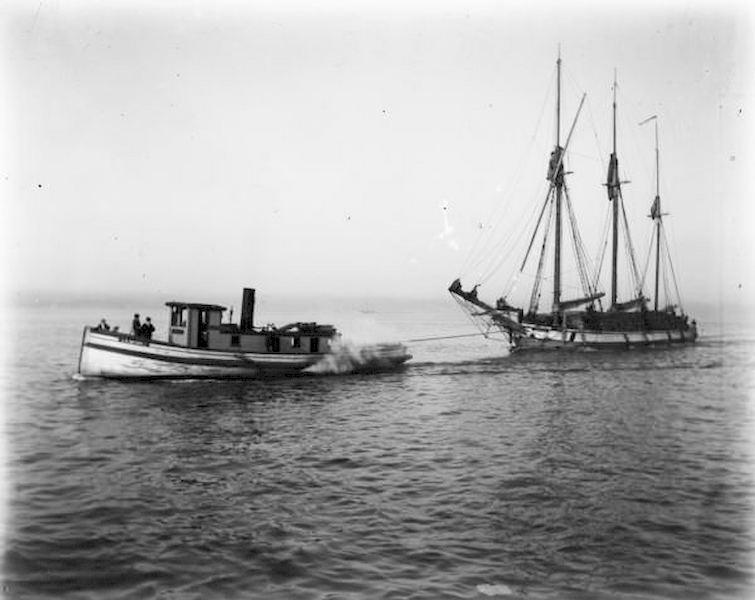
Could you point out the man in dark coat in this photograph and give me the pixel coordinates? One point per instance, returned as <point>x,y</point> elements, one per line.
<point>136,326</point>
<point>148,329</point>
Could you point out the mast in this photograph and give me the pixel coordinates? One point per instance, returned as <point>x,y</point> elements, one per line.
<point>613,195</point>
<point>558,99</point>
<point>559,181</point>
<point>657,216</point>
<point>655,210</point>
<point>557,187</point>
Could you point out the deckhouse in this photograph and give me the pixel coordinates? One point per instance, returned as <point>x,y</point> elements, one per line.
<point>196,325</point>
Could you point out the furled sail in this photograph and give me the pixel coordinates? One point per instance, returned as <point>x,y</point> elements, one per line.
<point>567,304</point>
<point>613,185</point>
<point>629,304</point>
<point>555,163</point>
<point>655,209</point>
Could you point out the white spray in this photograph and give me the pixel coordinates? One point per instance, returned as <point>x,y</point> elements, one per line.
<point>348,357</point>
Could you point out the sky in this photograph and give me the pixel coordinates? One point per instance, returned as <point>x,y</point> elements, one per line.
<point>357,149</point>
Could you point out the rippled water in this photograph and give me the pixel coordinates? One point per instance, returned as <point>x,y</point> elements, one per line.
<point>470,474</point>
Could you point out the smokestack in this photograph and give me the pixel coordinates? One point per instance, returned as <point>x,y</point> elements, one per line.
<point>247,310</point>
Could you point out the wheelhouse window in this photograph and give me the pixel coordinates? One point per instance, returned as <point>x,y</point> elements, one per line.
<point>314,344</point>
<point>296,342</point>
<point>178,316</point>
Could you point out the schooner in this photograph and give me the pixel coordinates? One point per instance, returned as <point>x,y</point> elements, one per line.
<point>589,321</point>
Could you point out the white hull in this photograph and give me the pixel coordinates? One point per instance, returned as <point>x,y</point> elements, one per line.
<point>123,356</point>
<point>545,338</point>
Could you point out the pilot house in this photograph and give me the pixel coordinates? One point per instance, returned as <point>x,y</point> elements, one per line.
<point>196,325</point>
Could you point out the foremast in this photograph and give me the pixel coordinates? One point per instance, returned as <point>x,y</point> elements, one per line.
<point>556,200</point>
<point>558,193</point>
<point>554,209</point>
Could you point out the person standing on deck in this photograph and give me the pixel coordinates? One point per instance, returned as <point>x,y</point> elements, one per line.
<point>136,325</point>
<point>148,329</point>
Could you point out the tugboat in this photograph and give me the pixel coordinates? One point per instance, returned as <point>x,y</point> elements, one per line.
<point>200,345</point>
<point>584,322</point>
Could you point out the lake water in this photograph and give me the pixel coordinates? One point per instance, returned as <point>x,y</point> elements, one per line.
<point>468,474</point>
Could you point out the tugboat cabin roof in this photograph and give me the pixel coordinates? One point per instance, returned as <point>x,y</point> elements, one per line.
<point>199,306</point>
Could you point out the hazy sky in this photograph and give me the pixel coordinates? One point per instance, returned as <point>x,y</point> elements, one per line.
<point>355,148</point>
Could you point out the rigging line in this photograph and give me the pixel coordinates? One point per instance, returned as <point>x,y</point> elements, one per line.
<point>571,81</point>
<point>664,275</point>
<point>494,264</point>
<point>487,242</point>
<point>475,321</point>
<point>568,139</point>
<point>484,259</point>
<point>444,337</point>
<point>561,154</point>
<point>586,156</point>
<point>673,272</point>
<point>590,265</point>
<point>524,157</point>
<point>625,276</point>
<point>622,119</point>
<point>585,265</point>
<point>629,245</point>
<point>511,239</point>
<point>535,297</point>
<point>629,276</point>
<point>601,253</point>
<point>636,166</point>
<point>647,172</point>
<point>664,270</point>
<point>647,257</point>
<point>511,285</point>
<point>537,226</point>
<point>576,243</point>
<point>481,239</point>
<point>601,154</point>
<point>463,305</point>
<point>512,282</point>
<point>502,249</point>
<point>478,240</point>
<point>546,202</point>
<point>494,217</point>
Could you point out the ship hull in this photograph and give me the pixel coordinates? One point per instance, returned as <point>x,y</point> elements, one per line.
<point>122,356</point>
<point>545,338</point>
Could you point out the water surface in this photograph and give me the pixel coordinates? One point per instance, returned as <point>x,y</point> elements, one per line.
<point>469,474</point>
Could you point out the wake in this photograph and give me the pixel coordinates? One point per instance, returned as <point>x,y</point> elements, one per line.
<point>348,357</point>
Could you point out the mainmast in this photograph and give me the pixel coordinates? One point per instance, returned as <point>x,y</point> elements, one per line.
<point>613,186</point>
